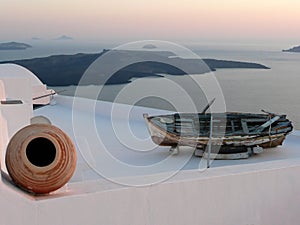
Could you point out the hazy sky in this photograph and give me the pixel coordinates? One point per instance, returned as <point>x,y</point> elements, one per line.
<point>151,19</point>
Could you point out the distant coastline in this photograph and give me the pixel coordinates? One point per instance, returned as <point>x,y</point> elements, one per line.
<point>294,49</point>
<point>14,46</point>
<point>64,70</point>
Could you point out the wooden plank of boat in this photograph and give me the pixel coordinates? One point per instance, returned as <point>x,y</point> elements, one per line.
<point>267,124</point>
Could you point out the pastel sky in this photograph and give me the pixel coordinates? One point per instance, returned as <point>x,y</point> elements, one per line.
<point>151,19</point>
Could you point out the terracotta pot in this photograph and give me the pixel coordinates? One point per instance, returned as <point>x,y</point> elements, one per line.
<point>40,158</point>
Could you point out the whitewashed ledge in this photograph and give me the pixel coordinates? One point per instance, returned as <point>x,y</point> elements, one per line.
<point>260,190</point>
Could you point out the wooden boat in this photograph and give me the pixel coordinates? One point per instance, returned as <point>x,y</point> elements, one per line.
<point>234,135</point>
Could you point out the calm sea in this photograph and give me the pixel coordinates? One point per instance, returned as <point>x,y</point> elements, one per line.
<point>248,90</point>
<point>276,90</point>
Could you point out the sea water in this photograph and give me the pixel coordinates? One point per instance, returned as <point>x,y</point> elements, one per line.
<point>245,90</point>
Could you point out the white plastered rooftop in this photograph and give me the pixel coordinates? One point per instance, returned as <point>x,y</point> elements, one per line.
<point>97,171</point>
<point>251,191</point>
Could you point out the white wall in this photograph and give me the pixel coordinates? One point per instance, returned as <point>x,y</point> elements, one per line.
<point>268,194</point>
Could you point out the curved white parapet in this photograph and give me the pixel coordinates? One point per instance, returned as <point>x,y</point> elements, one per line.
<point>19,90</point>
<point>9,73</point>
<point>15,71</point>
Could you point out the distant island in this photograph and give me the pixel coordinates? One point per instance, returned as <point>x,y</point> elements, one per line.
<point>36,39</point>
<point>149,46</point>
<point>64,38</point>
<point>14,46</point>
<point>294,49</point>
<point>64,70</point>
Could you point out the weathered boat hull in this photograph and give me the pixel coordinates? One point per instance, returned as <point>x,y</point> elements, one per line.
<point>164,138</point>
<point>262,134</point>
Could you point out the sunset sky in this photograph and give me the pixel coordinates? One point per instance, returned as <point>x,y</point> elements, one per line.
<point>155,19</point>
